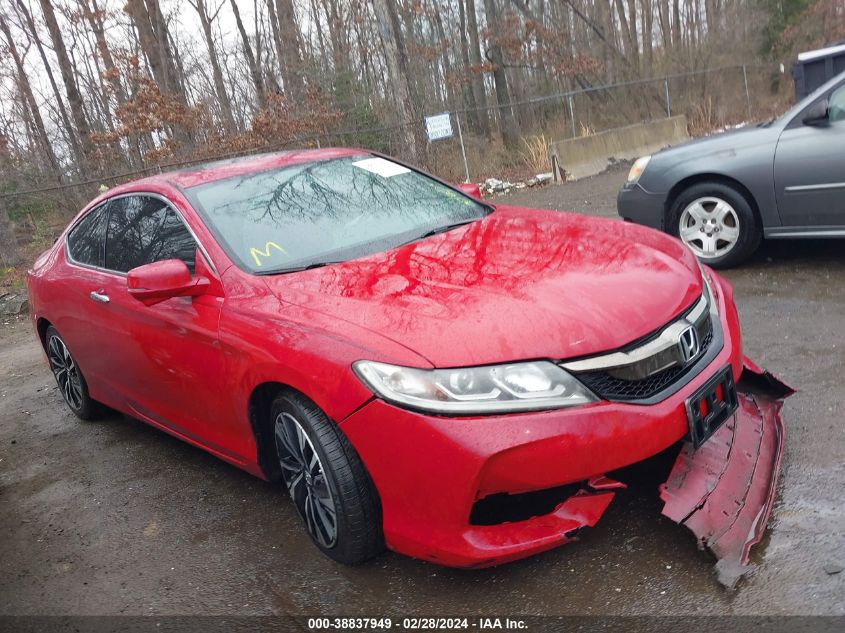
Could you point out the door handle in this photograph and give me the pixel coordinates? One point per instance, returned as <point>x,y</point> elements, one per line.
<point>99,297</point>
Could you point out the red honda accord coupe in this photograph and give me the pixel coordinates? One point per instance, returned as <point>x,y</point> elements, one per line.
<point>421,368</point>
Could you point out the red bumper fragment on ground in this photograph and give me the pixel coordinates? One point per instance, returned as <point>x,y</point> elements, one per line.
<point>724,491</point>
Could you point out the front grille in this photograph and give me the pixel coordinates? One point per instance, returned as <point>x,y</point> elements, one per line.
<point>608,387</point>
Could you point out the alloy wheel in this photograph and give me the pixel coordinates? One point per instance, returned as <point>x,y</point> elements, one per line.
<point>66,372</point>
<point>305,479</point>
<point>710,227</point>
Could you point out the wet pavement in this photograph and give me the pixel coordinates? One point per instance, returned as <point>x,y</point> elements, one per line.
<point>115,517</point>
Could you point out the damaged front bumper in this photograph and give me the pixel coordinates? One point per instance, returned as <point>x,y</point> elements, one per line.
<point>440,478</point>
<point>438,472</point>
<point>724,491</point>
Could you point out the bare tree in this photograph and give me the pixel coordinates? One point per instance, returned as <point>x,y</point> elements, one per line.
<point>483,118</point>
<point>396,59</point>
<point>507,121</point>
<point>77,107</point>
<point>252,63</point>
<point>70,132</point>
<point>286,40</point>
<point>206,21</point>
<point>106,86</point>
<point>10,253</point>
<point>154,39</point>
<point>36,121</point>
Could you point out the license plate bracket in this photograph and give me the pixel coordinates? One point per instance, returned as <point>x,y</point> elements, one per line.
<point>713,403</point>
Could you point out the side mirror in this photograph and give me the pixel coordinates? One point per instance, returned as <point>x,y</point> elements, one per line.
<point>471,189</point>
<point>153,283</point>
<point>817,114</point>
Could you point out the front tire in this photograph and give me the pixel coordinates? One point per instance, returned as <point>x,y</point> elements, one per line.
<point>69,377</point>
<point>326,480</point>
<point>716,222</point>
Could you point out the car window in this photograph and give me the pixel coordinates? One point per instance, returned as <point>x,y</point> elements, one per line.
<point>836,108</point>
<point>333,210</point>
<point>144,229</point>
<point>87,239</point>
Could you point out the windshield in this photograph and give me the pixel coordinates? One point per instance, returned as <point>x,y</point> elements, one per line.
<point>311,214</point>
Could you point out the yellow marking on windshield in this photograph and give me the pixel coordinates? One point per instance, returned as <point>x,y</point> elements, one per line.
<point>255,252</point>
<point>456,196</point>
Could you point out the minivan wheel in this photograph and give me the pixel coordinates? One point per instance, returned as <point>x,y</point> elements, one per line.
<point>716,222</point>
<point>69,377</point>
<point>326,480</point>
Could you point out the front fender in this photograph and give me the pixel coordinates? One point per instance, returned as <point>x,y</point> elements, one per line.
<point>750,164</point>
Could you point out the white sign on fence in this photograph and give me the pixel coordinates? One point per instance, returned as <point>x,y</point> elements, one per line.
<point>438,126</point>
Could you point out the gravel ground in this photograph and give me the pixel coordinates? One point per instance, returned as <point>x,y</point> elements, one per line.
<point>114,517</point>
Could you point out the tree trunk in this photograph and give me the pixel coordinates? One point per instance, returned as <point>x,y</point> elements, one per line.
<point>95,20</point>
<point>443,49</point>
<point>676,24</point>
<point>277,41</point>
<point>478,89</point>
<point>665,22</point>
<point>507,122</point>
<point>154,41</point>
<point>292,46</point>
<point>338,36</point>
<point>29,99</point>
<point>468,93</point>
<point>648,44</point>
<point>254,71</point>
<point>77,108</point>
<point>60,104</point>
<point>287,41</point>
<point>397,70</point>
<point>629,43</point>
<point>216,72</point>
<point>155,44</point>
<point>10,254</point>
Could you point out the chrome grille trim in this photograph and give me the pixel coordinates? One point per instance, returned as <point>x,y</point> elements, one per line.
<point>655,355</point>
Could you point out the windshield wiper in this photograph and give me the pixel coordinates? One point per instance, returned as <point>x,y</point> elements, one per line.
<point>439,229</point>
<point>297,269</point>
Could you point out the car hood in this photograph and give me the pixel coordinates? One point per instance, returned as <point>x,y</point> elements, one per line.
<point>518,284</point>
<point>728,140</point>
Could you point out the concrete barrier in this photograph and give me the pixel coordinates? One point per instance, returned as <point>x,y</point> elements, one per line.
<point>589,155</point>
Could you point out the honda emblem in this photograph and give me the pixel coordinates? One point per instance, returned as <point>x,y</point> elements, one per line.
<point>689,344</point>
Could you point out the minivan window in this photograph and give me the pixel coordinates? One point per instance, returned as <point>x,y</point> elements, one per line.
<point>86,241</point>
<point>145,229</point>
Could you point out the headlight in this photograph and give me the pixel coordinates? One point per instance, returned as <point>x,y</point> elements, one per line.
<point>637,169</point>
<point>475,390</point>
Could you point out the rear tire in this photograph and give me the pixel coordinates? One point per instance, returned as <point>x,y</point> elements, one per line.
<point>69,377</point>
<point>716,222</point>
<point>327,481</point>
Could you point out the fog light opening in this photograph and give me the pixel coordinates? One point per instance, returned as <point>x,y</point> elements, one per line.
<point>509,508</point>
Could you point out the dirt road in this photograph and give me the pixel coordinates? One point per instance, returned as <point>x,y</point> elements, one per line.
<point>114,517</point>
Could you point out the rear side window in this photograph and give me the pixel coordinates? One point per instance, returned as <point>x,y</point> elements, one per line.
<point>87,239</point>
<point>144,229</point>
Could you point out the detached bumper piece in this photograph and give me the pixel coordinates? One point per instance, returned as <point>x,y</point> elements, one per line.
<point>724,490</point>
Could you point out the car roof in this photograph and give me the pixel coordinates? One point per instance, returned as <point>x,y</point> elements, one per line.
<point>228,168</point>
